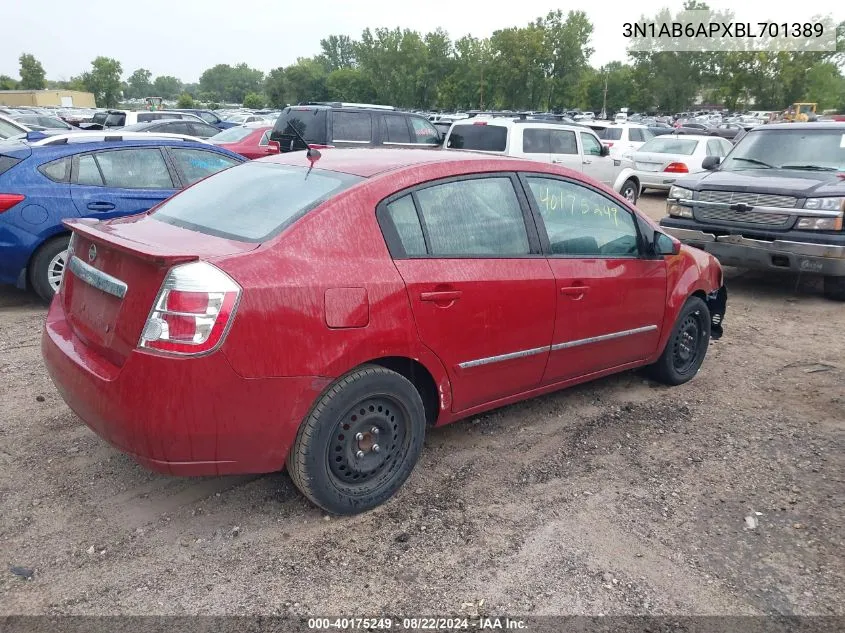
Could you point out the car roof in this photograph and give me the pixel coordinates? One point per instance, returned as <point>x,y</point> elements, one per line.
<point>693,137</point>
<point>49,152</point>
<point>818,125</point>
<point>371,161</point>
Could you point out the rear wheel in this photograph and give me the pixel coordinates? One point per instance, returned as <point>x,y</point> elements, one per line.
<point>48,266</point>
<point>687,345</point>
<point>360,442</point>
<point>834,288</point>
<point>630,191</point>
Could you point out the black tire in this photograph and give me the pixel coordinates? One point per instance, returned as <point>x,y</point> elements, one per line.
<point>686,347</point>
<point>43,269</point>
<point>324,461</point>
<point>630,188</point>
<point>834,288</point>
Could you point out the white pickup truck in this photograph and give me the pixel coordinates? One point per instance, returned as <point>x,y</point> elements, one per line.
<point>574,146</point>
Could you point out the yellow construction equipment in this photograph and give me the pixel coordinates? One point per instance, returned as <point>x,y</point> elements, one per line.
<point>800,112</point>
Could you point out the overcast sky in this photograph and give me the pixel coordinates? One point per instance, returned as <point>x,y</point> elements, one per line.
<point>176,37</point>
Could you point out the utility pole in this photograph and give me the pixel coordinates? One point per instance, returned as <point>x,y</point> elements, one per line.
<point>481,104</point>
<point>603,114</point>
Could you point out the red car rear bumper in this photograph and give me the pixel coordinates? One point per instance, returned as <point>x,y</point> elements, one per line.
<point>191,416</point>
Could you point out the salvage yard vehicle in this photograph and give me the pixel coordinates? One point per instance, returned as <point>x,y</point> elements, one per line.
<point>775,203</point>
<point>332,124</point>
<point>250,141</point>
<point>569,145</point>
<point>664,159</point>
<point>46,178</point>
<point>320,312</point>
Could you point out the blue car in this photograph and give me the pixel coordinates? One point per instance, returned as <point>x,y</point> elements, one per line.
<point>45,179</point>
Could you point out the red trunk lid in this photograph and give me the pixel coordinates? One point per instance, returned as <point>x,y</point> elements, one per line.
<point>128,257</point>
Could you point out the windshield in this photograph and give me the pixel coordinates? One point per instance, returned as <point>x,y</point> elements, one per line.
<point>252,202</point>
<point>232,135</point>
<point>785,149</point>
<point>664,145</point>
<point>479,137</point>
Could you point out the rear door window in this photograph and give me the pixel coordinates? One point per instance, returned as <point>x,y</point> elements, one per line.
<point>395,129</point>
<point>478,217</point>
<point>252,202</point>
<point>536,141</point>
<point>402,228</point>
<point>176,127</point>
<point>352,127</point>
<point>635,135</point>
<point>88,173</point>
<point>134,169</point>
<point>57,170</point>
<point>563,142</point>
<point>195,164</point>
<point>478,136</point>
<point>424,132</point>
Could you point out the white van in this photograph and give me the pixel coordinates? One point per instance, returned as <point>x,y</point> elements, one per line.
<point>574,146</point>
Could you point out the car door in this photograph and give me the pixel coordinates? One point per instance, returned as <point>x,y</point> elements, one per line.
<point>118,182</point>
<point>610,295</point>
<point>593,164</point>
<point>482,295</point>
<point>564,149</point>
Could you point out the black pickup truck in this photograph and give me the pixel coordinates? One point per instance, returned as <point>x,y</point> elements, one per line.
<point>775,202</point>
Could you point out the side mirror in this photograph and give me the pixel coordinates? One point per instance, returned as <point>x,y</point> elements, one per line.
<point>274,147</point>
<point>665,245</point>
<point>711,162</point>
<point>605,150</point>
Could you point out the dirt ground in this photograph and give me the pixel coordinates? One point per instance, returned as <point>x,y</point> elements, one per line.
<point>617,497</point>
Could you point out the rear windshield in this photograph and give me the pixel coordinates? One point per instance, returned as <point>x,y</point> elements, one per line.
<point>232,135</point>
<point>115,120</point>
<point>669,145</point>
<point>309,122</point>
<point>610,133</point>
<point>479,137</point>
<point>252,202</point>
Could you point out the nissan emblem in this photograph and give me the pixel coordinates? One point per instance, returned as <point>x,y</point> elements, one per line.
<point>92,253</point>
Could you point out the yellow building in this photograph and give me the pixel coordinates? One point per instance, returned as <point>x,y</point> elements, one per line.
<point>63,98</point>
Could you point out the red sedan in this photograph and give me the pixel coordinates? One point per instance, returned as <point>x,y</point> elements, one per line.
<point>322,316</point>
<point>250,142</point>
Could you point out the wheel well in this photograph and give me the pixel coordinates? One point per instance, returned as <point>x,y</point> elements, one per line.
<point>700,294</point>
<point>420,377</point>
<point>35,251</point>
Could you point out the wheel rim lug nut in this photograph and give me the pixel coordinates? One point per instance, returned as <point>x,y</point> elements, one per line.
<point>374,430</point>
<point>376,448</point>
<point>359,454</point>
<point>359,436</point>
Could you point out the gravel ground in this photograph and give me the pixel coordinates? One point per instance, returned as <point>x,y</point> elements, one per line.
<point>723,496</point>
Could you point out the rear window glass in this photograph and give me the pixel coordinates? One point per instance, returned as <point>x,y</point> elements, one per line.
<point>610,133</point>
<point>252,202</point>
<point>115,120</point>
<point>309,122</point>
<point>232,135</point>
<point>487,138</point>
<point>670,145</point>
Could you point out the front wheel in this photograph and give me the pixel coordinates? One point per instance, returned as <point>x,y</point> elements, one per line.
<point>48,266</point>
<point>834,288</point>
<point>630,191</point>
<point>360,442</point>
<point>687,345</point>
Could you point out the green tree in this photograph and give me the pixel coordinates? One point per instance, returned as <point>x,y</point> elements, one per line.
<point>306,81</point>
<point>349,84</point>
<point>167,87</point>
<point>231,84</point>
<point>275,87</point>
<point>254,101</point>
<point>337,52</point>
<point>140,85</point>
<point>32,73</point>
<point>185,101</point>
<point>104,81</point>
<point>7,83</point>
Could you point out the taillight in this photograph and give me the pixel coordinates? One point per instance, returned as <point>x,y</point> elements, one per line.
<point>193,310</point>
<point>676,168</point>
<point>480,123</point>
<point>8,200</point>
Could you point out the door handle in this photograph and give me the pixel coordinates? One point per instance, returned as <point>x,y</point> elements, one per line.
<point>555,160</point>
<point>100,206</point>
<point>587,162</point>
<point>576,292</point>
<point>441,296</point>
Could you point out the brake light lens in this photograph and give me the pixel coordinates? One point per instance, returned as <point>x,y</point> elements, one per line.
<point>480,123</point>
<point>8,200</point>
<point>677,168</point>
<point>192,311</point>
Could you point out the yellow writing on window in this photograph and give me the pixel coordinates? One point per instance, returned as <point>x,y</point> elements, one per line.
<point>574,205</point>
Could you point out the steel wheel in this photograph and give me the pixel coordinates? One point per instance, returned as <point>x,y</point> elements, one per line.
<point>686,345</point>
<point>367,441</point>
<point>55,270</point>
<point>629,191</point>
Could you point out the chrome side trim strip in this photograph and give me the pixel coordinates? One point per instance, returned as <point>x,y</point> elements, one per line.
<point>97,278</point>
<point>603,337</point>
<point>497,359</point>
